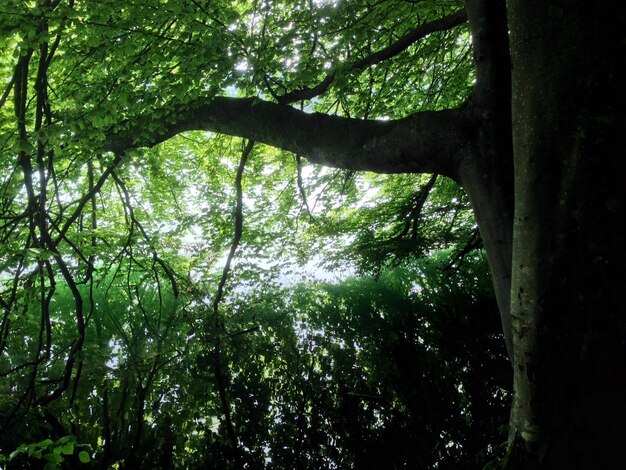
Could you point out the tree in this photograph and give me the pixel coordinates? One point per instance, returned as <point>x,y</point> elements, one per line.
<point>536,132</point>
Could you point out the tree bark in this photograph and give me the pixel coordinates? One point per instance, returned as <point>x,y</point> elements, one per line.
<point>569,136</point>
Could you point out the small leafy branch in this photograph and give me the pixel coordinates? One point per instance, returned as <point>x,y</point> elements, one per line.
<point>53,452</point>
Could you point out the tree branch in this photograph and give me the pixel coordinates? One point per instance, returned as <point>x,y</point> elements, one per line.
<point>219,295</point>
<point>425,142</point>
<point>420,32</point>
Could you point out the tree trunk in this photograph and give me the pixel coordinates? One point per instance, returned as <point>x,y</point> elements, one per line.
<point>569,254</point>
<point>492,206</point>
<point>487,174</point>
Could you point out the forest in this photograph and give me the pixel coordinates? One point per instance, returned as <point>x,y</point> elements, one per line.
<point>312,234</point>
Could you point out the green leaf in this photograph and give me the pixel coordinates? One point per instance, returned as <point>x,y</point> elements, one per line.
<point>25,146</point>
<point>16,452</point>
<point>45,443</point>
<point>52,457</point>
<point>68,449</point>
<point>84,457</point>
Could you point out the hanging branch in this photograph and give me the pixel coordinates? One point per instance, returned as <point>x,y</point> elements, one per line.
<point>473,243</point>
<point>82,202</point>
<point>7,92</point>
<point>301,186</point>
<point>93,227</point>
<point>134,222</point>
<point>238,226</point>
<point>217,368</point>
<point>413,218</point>
<point>418,205</point>
<point>299,177</point>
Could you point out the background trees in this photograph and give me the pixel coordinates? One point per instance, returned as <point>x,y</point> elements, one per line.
<point>406,370</point>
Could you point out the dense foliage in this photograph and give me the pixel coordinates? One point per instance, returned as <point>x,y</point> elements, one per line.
<point>408,369</point>
<point>189,305</point>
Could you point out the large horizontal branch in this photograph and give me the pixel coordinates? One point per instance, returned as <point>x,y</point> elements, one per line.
<point>425,142</point>
<point>416,34</point>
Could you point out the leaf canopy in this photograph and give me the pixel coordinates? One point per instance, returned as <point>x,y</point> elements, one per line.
<point>113,326</point>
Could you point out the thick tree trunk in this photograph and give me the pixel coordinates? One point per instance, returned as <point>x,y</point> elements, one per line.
<point>487,175</point>
<point>492,207</point>
<point>569,253</point>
